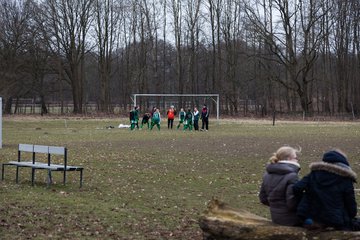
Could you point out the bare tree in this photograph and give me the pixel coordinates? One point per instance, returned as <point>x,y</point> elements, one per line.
<point>149,42</point>
<point>192,13</point>
<point>231,26</point>
<point>176,10</point>
<point>215,8</point>
<point>14,43</point>
<point>325,87</point>
<point>294,41</point>
<point>40,63</point>
<point>355,10</point>
<point>106,28</point>
<point>165,81</point>
<point>342,35</point>
<point>68,23</point>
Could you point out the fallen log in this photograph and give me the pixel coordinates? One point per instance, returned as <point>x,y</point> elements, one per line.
<point>222,222</point>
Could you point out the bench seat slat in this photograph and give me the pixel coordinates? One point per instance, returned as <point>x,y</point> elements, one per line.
<point>41,165</point>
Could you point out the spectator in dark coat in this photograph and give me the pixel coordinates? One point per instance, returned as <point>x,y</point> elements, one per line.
<point>205,118</point>
<point>327,193</point>
<point>276,189</point>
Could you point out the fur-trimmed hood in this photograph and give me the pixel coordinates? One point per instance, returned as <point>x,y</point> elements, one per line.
<point>338,169</point>
<point>283,167</point>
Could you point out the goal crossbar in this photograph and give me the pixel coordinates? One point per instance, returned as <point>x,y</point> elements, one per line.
<point>214,97</point>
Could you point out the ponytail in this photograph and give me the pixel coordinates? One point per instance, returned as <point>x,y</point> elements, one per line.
<point>284,153</point>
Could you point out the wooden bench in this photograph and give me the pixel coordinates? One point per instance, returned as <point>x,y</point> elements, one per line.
<point>34,163</point>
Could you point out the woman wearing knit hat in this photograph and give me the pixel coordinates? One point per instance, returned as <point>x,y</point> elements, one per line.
<point>327,193</point>
<point>276,188</point>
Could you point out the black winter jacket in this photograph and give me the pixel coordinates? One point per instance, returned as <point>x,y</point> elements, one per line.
<point>327,195</point>
<point>276,192</point>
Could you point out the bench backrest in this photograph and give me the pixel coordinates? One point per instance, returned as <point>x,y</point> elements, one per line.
<point>58,151</point>
<point>25,148</point>
<point>42,149</point>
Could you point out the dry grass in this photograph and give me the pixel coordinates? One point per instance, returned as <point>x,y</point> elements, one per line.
<point>149,184</point>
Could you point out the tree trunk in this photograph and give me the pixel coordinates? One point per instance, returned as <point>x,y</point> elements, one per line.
<point>8,105</point>
<point>44,109</point>
<point>222,222</point>
<point>76,91</point>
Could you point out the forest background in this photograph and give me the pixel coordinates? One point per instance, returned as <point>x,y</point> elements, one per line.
<point>262,56</point>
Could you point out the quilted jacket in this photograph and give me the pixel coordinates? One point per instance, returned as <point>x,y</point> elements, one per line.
<point>276,192</point>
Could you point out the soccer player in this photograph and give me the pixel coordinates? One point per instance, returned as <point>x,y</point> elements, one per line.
<point>171,115</point>
<point>181,117</point>
<point>188,123</point>
<point>156,119</point>
<point>196,119</point>
<point>146,119</point>
<point>134,118</point>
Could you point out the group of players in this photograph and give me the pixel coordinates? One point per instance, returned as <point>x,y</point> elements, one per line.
<point>189,119</point>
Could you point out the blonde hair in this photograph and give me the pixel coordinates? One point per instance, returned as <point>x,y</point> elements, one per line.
<point>284,153</point>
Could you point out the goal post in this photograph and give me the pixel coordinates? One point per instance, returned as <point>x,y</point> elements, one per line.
<point>214,97</point>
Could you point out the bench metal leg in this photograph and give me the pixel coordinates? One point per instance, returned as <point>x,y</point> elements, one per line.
<point>49,182</point>
<point>81,177</point>
<point>17,174</point>
<point>2,172</point>
<point>32,176</point>
<point>64,177</point>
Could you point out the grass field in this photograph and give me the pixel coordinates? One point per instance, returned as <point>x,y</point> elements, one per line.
<point>149,184</point>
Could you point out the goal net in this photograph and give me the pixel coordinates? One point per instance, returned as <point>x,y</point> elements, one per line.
<point>164,101</point>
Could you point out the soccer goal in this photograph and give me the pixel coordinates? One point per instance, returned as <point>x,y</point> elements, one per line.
<point>212,97</point>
